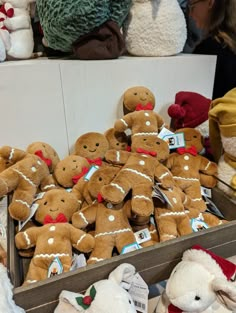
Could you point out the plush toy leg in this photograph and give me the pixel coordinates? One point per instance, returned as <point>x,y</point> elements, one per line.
<point>167,227</point>
<point>141,202</point>
<point>207,181</point>
<point>183,225</point>
<point>124,239</point>
<point>19,208</point>
<point>103,248</point>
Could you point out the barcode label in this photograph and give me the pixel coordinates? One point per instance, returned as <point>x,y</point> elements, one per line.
<point>139,305</point>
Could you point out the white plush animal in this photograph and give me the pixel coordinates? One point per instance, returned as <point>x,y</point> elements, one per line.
<point>155,28</point>
<point>200,283</point>
<point>104,296</point>
<point>7,304</point>
<point>4,44</point>
<point>20,29</point>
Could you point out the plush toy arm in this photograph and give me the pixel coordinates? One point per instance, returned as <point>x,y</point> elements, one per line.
<point>17,22</point>
<point>164,176</point>
<point>124,123</point>
<point>117,157</point>
<point>48,183</point>
<point>80,240</point>
<point>85,217</point>
<point>170,161</point>
<point>207,167</point>
<point>11,154</point>
<point>160,121</point>
<point>27,239</point>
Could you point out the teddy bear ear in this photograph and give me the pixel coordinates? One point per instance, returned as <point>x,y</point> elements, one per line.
<point>123,272</point>
<point>225,293</point>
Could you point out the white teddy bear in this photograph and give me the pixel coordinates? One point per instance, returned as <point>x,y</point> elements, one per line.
<point>20,31</point>
<point>155,28</point>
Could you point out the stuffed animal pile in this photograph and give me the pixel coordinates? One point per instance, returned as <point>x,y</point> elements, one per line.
<point>114,193</point>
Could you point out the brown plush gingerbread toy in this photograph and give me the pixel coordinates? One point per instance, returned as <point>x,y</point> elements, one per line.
<point>117,140</point>
<point>141,167</point>
<point>9,156</point>
<point>112,228</point>
<point>186,165</point>
<point>54,240</point>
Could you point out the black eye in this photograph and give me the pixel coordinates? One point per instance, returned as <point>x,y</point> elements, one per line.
<point>158,142</point>
<point>74,160</point>
<point>195,136</point>
<point>45,203</point>
<point>62,200</point>
<point>197,298</point>
<point>44,146</point>
<point>147,93</point>
<point>100,178</point>
<point>97,144</point>
<point>64,169</point>
<point>85,147</point>
<point>135,93</point>
<point>117,143</point>
<point>130,301</point>
<point>144,139</point>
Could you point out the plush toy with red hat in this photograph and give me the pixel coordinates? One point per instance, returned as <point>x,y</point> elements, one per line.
<point>202,282</point>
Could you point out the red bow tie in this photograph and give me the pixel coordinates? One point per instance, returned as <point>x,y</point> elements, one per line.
<point>152,153</point>
<point>59,219</point>
<point>192,150</point>
<point>100,198</point>
<point>76,178</point>
<point>39,153</point>
<point>97,161</point>
<point>174,309</point>
<point>140,107</point>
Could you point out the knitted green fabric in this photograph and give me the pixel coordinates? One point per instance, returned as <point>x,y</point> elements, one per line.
<point>64,21</point>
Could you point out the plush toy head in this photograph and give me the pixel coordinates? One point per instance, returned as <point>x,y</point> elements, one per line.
<point>200,283</point>
<point>192,137</point>
<point>46,152</point>
<point>116,140</point>
<point>92,146</point>
<point>137,96</point>
<point>69,170</point>
<point>104,296</point>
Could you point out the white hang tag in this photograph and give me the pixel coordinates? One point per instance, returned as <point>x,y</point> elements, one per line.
<point>131,247</point>
<point>142,235</point>
<point>91,171</point>
<point>165,132</point>
<point>206,192</point>
<point>212,208</point>
<point>3,232</point>
<point>139,293</point>
<point>55,268</point>
<point>39,196</point>
<point>33,209</point>
<point>175,141</point>
<point>158,193</point>
<point>198,224</point>
<point>78,261</point>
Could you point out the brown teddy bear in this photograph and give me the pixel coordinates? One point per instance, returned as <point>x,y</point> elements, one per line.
<point>92,146</point>
<point>186,165</point>
<point>117,140</point>
<point>141,167</point>
<point>139,96</point>
<point>55,239</point>
<point>112,228</point>
<point>24,178</point>
<point>46,152</point>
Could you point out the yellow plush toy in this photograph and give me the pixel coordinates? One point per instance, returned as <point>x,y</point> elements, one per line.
<point>112,228</point>
<point>140,168</point>
<point>54,240</point>
<point>186,165</point>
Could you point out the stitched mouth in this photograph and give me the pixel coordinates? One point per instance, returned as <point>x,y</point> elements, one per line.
<point>51,210</point>
<point>92,150</point>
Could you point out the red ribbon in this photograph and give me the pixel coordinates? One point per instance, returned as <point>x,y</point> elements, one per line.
<point>140,107</point>
<point>76,178</point>
<point>100,198</point>
<point>174,309</point>
<point>39,153</point>
<point>97,161</point>
<point>152,153</point>
<point>59,219</point>
<point>192,150</point>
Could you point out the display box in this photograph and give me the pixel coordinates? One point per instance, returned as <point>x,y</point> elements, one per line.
<point>154,263</point>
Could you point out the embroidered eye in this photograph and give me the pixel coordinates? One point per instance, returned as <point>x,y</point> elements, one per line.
<point>117,143</point>
<point>135,93</point>
<point>130,301</point>
<point>144,139</point>
<point>64,169</point>
<point>74,160</point>
<point>45,203</point>
<point>97,144</point>
<point>147,93</point>
<point>85,147</point>
<point>195,136</point>
<point>100,178</point>
<point>158,143</point>
<point>62,200</point>
<point>197,298</point>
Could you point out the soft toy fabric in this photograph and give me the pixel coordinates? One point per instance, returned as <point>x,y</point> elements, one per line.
<point>3,255</point>
<point>64,23</point>
<point>155,28</point>
<point>116,140</point>
<point>24,178</point>
<point>46,152</point>
<point>104,296</point>
<point>6,11</point>
<point>9,156</point>
<point>200,283</point>
<point>222,117</point>
<point>185,164</point>
<point>54,211</point>
<point>21,33</point>
<point>141,167</point>
<point>137,96</point>
<point>112,228</point>
<point>93,147</point>
<point>171,218</point>
<point>6,296</point>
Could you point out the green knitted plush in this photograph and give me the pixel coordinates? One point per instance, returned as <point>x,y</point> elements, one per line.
<point>63,22</point>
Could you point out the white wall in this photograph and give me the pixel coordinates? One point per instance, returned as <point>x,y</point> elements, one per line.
<point>56,101</point>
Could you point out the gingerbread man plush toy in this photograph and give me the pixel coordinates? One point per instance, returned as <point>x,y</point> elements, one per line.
<point>55,239</point>
<point>186,165</point>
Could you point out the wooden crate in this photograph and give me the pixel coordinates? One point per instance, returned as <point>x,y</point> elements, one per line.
<point>154,263</point>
